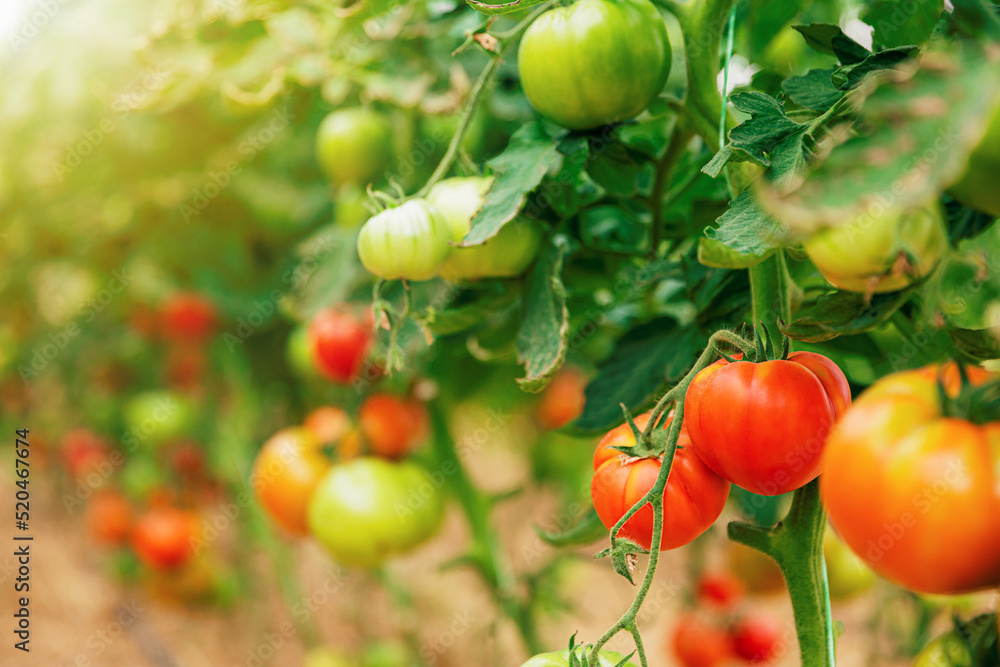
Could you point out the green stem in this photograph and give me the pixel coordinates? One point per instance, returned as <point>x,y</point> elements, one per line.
<point>771,297</point>
<point>488,555</point>
<point>664,169</point>
<point>796,544</point>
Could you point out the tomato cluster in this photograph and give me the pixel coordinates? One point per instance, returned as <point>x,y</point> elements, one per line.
<point>362,508</point>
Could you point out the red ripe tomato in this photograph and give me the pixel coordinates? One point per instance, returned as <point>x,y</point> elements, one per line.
<point>188,317</point>
<point>720,589</point>
<point>913,492</point>
<point>757,638</point>
<point>391,425</point>
<point>328,423</point>
<point>84,451</point>
<point>163,538</point>
<point>109,517</point>
<point>287,470</point>
<point>563,399</point>
<point>693,498</point>
<point>763,426</point>
<point>338,342</point>
<point>697,643</point>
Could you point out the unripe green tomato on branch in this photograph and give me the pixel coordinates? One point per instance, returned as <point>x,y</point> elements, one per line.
<point>408,242</point>
<point>595,62</point>
<point>353,146</point>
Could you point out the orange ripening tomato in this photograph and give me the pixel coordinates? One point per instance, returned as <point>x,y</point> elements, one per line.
<point>562,401</point>
<point>913,492</point>
<point>693,499</point>
<point>163,537</point>
<point>109,517</point>
<point>392,426</point>
<point>188,317</point>
<point>339,342</point>
<point>328,423</point>
<point>763,425</point>
<point>698,643</point>
<point>285,474</point>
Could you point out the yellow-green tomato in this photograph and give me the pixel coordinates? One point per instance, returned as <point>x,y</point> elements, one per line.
<point>945,651</point>
<point>350,206</point>
<point>977,187</point>
<point>507,254</point>
<point>561,659</point>
<point>594,62</point>
<point>368,509</point>
<point>408,242</point>
<point>881,253</point>
<point>353,146</point>
<point>846,573</point>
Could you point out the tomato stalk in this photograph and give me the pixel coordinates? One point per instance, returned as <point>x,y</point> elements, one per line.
<point>487,553</point>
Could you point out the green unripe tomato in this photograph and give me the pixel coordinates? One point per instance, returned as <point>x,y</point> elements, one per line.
<point>350,206</point>
<point>945,651</point>
<point>353,146</point>
<point>561,659</point>
<point>594,62</point>
<point>155,417</point>
<point>978,188</point>
<point>786,52</point>
<point>862,256</point>
<point>298,355</point>
<point>368,509</point>
<point>507,254</point>
<point>846,573</point>
<point>408,242</point>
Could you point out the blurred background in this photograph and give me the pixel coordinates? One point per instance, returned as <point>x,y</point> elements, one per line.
<point>165,235</point>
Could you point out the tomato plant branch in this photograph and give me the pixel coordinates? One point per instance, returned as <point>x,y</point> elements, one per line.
<point>664,169</point>
<point>796,543</point>
<point>769,290</point>
<point>488,554</point>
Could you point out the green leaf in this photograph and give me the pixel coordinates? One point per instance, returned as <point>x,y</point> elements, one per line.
<point>645,359</point>
<point>572,188</point>
<point>328,272</point>
<point>919,128</point>
<point>981,345</point>
<point>766,19</point>
<point>614,169</point>
<point>898,23</point>
<point>471,315</point>
<point>813,90</point>
<point>767,126</point>
<point>623,555</point>
<point>966,288</point>
<point>844,314</point>
<point>829,38</point>
<point>519,169</point>
<point>544,334</point>
<point>978,16</point>
<point>850,76</point>
<point>587,530</point>
<point>746,235</point>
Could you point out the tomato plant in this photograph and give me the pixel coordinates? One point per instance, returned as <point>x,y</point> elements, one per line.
<point>698,643</point>
<point>562,659</point>
<point>392,426</point>
<point>409,242</point>
<point>353,146</point>
<point>578,63</point>
<point>365,510</point>
<point>731,418</point>
<point>932,498</point>
<point>163,537</point>
<point>285,475</point>
<point>339,342</point>
<point>693,498</point>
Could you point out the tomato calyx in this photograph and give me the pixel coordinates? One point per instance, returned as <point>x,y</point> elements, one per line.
<point>976,403</point>
<point>624,556</point>
<point>764,346</point>
<point>646,446</point>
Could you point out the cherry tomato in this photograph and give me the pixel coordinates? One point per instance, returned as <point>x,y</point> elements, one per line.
<point>188,317</point>
<point>594,62</point>
<point>339,343</point>
<point>697,643</point>
<point>409,242</point>
<point>287,470</point>
<point>154,417</point>
<point>353,146</point>
<point>693,499</point>
<point>109,517</point>
<point>298,353</point>
<point>163,537</point>
<point>763,426</point>
<point>881,253</point>
<point>328,423</point>
<point>561,659</point>
<point>720,589</point>
<point>84,452</point>
<point>946,651</point>
<point>913,492</point>
<point>392,426</point>
<point>757,638</point>
<point>369,509</point>
<point>507,254</point>
<point>562,401</point>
